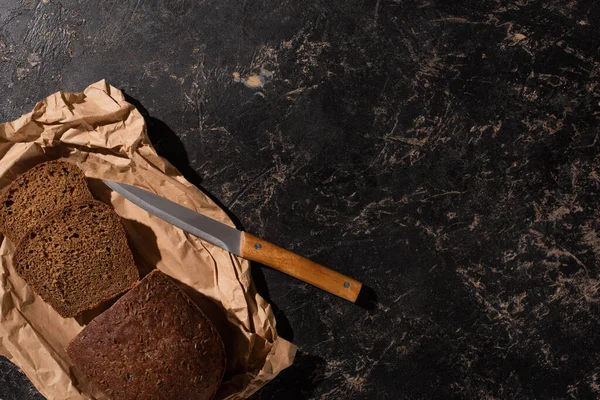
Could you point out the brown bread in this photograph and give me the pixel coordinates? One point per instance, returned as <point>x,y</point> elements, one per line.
<point>153,343</point>
<point>77,257</point>
<point>37,193</point>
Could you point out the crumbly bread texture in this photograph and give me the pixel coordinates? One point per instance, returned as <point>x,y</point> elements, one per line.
<point>77,257</point>
<point>37,193</point>
<point>153,343</point>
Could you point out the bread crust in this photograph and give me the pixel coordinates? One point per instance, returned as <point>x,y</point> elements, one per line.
<point>153,343</point>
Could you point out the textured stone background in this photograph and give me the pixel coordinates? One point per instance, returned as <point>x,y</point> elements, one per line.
<point>443,152</point>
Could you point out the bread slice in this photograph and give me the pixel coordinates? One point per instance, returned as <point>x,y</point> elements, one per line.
<point>153,343</point>
<point>77,257</point>
<point>37,193</point>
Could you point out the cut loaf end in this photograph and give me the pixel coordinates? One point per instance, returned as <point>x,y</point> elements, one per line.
<point>153,343</point>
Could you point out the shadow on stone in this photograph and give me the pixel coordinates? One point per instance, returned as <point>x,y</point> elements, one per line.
<point>284,329</point>
<point>14,384</point>
<point>169,146</point>
<point>367,298</point>
<point>298,382</point>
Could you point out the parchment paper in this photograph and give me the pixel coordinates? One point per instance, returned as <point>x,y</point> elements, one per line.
<point>106,137</point>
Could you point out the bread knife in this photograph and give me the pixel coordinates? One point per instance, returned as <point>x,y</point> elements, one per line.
<point>240,243</point>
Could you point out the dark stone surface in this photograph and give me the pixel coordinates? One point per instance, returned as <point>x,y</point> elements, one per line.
<point>443,152</point>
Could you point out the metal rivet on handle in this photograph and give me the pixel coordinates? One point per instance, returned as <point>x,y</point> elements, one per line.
<point>258,246</point>
<point>347,285</point>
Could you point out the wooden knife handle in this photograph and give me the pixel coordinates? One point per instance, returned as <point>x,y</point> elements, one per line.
<point>283,260</point>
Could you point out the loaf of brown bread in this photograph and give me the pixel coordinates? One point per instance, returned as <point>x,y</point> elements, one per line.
<point>153,343</point>
<point>38,192</point>
<point>77,257</point>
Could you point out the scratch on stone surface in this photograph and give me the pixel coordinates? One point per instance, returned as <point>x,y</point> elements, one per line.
<point>459,20</point>
<point>46,34</point>
<point>403,295</point>
<point>411,141</point>
<point>132,14</point>
<point>376,12</point>
<point>328,340</point>
<point>207,82</point>
<point>475,223</point>
<point>292,94</point>
<point>554,251</point>
<point>371,212</point>
<point>197,97</point>
<point>120,20</point>
<point>365,376</point>
<point>297,308</point>
<point>452,192</point>
<point>567,205</point>
<point>591,238</point>
<point>357,382</point>
<point>216,172</point>
<point>502,315</point>
<point>245,189</point>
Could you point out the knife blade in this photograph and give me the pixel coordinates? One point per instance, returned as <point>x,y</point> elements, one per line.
<point>240,243</point>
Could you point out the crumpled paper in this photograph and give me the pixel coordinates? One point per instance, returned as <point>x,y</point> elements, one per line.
<point>106,137</point>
